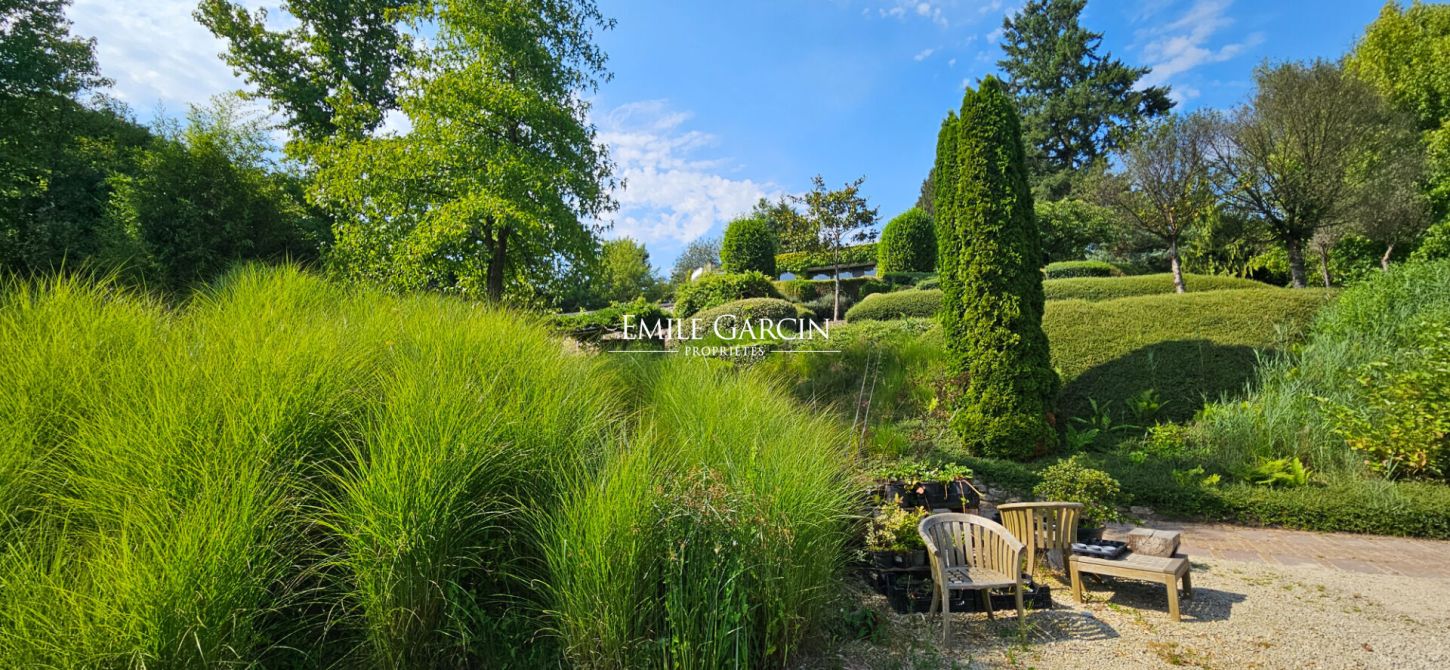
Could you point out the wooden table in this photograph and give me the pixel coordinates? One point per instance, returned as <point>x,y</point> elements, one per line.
<point>1166,571</point>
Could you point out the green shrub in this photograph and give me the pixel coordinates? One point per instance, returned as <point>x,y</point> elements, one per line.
<point>799,261</point>
<point>1189,348</point>
<point>904,279</point>
<point>992,296</point>
<point>749,246</point>
<point>1434,244</point>
<point>1108,288</point>
<point>1402,422</point>
<point>1071,227</point>
<point>908,244</point>
<point>1412,509</point>
<point>1070,480</point>
<point>798,290</point>
<point>1071,269</point>
<point>591,325</point>
<point>752,309</point>
<point>929,283</point>
<point>896,305</point>
<point>718,289</point>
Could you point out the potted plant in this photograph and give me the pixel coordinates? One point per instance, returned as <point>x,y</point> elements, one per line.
<point>892,539</point>
<point>957,481</point>
<point>1071,480</point>
<point>891,482</point>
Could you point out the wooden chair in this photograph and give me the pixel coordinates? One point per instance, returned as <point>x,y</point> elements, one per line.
<point>970,553</point>
<point>1045,527</point>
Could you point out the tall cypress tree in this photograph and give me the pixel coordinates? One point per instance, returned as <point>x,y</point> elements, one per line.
<point>992,281</point>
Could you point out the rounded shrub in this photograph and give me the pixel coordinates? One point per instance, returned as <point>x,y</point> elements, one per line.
<point>896,305</point>
<point>1068,269</point>
<point>749,245</point>
<point>712,290</point>
<point>1110,288</point>
<point>929,282</point>
<point>798,290</point>
<point>908,244</point>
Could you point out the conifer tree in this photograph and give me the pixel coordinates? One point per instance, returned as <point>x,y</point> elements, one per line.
<point>991,280</point>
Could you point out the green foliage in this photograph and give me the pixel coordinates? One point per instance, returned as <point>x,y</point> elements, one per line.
<point>1110,288</point>
<point>992,297</point>
<point>332,70</point>
<point>493,189</point>
<point>752,309</point>
<point>1435,245</point>
<point>908,244</point>
<point>216,482</point>
<point>701,253</point>
<point>893,528</point>
<point>1278,473</point>
<point>1070,269</point>
<point>1412,509</point>
<point>897,305</point>
<point>799,261</point>
<point>1189,348</point>
<point>1078,105</point>
<point>591,325</point>
<point>1289,412</point>
<point>1072,227</point>
<point>1071,480</point>
<point>1401,423</point>
<point>799,290</point>
<point>718,289</point>
<point>624,272</point>
<point>749,245</point>
<point>795,232</point>
<point>929,283</point>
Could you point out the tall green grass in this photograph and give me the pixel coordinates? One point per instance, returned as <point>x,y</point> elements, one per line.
<point>285,472</point>
<point>1281,417</point>
<point>736,525</point>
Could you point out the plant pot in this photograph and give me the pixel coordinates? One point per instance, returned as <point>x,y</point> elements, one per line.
<point>960,496</point>
<point>883,559</point>
<point>1086,533</point>
<point>894,491</point>
<point>916,559</point>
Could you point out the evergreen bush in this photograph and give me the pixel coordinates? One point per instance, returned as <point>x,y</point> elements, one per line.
<point>908,244</point>
<point>749,245</point>
<point>713,290</point>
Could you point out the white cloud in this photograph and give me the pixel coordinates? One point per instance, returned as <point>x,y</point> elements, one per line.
<point>925,54</point>
<point>670,194</point>
<point>1184,43</point>
<point>155,51</point>
<point>930,10</point>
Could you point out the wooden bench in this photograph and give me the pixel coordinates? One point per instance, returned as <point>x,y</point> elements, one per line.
<point>1165,571</point>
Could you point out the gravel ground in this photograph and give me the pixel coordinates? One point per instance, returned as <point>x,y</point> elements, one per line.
<point>1241,615</point>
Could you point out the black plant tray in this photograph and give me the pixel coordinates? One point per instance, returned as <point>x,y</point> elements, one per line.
<point>1100,548</point>
<point>910,593</point>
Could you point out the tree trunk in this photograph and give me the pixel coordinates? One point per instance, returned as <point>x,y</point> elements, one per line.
<point>1385,259</point>
<point>496,264</point>
<point>1177,266</point>
<point>836,300</point>
<point>1324,265</point>
<point>1296,263</point>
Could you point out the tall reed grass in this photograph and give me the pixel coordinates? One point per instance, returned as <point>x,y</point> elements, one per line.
<point>285,472</point>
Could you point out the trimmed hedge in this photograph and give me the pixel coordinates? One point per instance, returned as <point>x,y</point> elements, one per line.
<point>591,325</point>
<point>929,282</point>
<point>718,289</point>
<point>896,305</point>
<point>806,290</point>
<point>797,261</point>
<point>749,245</point>
<point>1071,269</point>
<point>1186,347</point>
<point>1109,288</point>
<point>908,244</point>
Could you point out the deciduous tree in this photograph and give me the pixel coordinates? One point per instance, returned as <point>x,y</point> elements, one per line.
<point>843,219</point>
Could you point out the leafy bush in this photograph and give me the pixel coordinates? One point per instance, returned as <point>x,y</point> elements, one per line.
<point>929,283</point>
<point>1402,423</point>
<point>1071,269</point>
<point>908,244</point>
<point>896,305</point>
<point>1070,480</point>
<point>1285,473</point>
<point>1071,227</point>
<point>894,528</point>
<point>1434,244</point>
<point>1412,509</point>
<point>749,246</point>
<point>825,306</point>
<point>718,289</point>
<point>904,279</point>
<point>799,290</point>
<point>799,261</point>
<point>1108,288</point>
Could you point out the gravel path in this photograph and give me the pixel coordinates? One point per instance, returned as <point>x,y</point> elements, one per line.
<point>1242,615</point>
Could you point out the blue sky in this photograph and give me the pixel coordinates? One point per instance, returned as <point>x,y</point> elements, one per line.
<point>715,104</point>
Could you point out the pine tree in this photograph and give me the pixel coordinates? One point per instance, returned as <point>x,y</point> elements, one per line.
<point>991,279</point>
